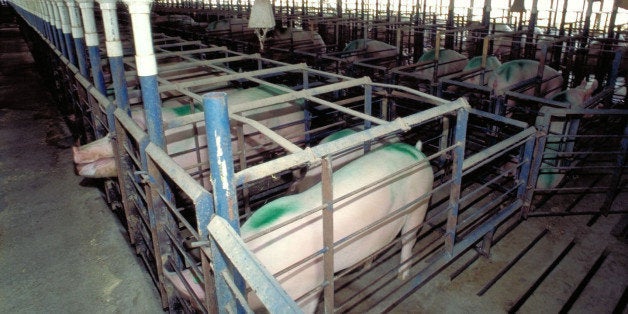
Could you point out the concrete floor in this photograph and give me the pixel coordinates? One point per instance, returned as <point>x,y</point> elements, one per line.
<point>62,250</point>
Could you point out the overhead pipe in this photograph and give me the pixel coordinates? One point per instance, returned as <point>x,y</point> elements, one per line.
<point>79,37</point>
<point>91,39</point>
<point>147,69</point>
<point>115,53</point>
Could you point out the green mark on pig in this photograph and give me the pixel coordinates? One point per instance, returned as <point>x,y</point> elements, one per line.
<point>508,69</point>
<point>337,135</point>
<point>405,149</point>
<point>428,56</point>
<point>186,110</point>
<point>272,211</point>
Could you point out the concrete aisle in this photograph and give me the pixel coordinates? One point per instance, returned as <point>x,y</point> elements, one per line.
<point>62,250</point>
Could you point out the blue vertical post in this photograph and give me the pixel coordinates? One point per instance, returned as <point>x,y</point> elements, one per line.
<point>147,69</point>
<point>454,196</point>
<point>115,53</point>
<point>41,26</point>
<point>223,184</point>
<point>53,25</point>
<point>91,39</point>
<point>79,37</point>
<point>60,39</point>
<point>46,19</point>
<point>67,32</point>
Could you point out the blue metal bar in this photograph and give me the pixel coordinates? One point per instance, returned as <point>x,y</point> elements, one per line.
<point>152,110</point>
<point>91,39</point>
<point>119,83</point>
<point>114,52</point>
<point>525,190</point>
<point>274,298</point>
<point>223,184</point>
<point>69,47</point>
<point>458,162</point>
<point>79,43</point>
<point>94,60</point>
<point>67,31</point>
<point>79,36</point>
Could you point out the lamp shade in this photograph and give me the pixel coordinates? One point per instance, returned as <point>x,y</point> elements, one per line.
<point>518,6</point>
<point>262,15</point>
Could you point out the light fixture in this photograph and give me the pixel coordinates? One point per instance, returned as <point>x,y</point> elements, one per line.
<point>262,19</point>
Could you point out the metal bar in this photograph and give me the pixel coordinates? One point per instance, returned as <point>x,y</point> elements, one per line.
<point>442,257</point>
<point>458,163</point>
<point>274,298</point>
<point>223,186</point>
<point>328,233</point>
<point>314,153</point>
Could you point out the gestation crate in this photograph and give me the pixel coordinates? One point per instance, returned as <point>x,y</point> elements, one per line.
<point>471,194</point>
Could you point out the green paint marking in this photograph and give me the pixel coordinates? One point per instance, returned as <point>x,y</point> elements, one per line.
<point>271,212</point>
<point>337,135</point>
<point>186,110</point>
<point>475,62</point>
<point>428,56</point>
<point>405,149</point>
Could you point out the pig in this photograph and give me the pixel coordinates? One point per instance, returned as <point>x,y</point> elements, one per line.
<point>95,160</point>
<point>297,240</point>
<point>513,72</point>
<point>549,177</point>
<point>313,174</point>
<point>476,63</point>
<point>233,25</point>
<point>359,49</point>
<point>179,19</point>
<point>503,40</point>
<point>449,62</point>
<point>300,39</point>
<point>595,53</point>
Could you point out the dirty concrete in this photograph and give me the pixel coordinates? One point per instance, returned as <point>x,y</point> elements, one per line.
<point>62,250</point>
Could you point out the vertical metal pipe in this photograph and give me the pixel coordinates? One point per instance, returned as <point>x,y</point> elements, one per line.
<point>328,233</point>
<point>147,69</point>
<point>454,196</point>
<point>616,178</point>
<point>115,53</point>
<point>60,37</point>
<point>44,19</point>
<point>486,14</point>
<point>449,38</point>
<point>525,190</point>
<point>611,24</point>
<point>223,184</point>
<point>587,20</point>
<point>91,39</point>
<point>79,37</point>
<point>67,31</point>
<point>53,24</point>
<point>561,32</point>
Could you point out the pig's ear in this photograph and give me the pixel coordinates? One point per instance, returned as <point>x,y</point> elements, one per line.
<point>593,87</point>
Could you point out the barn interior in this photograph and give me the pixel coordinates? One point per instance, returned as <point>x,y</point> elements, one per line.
<point>313,156</point>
